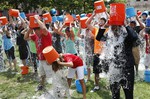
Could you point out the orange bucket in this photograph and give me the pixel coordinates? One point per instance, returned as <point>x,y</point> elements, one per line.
<point>24,70</point>
<point>82,21</point>
<point>3,20</point>
<point>117,14</point>
<point>14,12</point>
<point>69,19</point>
<point>50,54</point>
<point>47,17</point>
<point>33,23</point>
<point>99,6</point>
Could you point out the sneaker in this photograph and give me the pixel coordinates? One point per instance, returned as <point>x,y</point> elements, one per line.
<point>96,88</point>
<point>40,87</point>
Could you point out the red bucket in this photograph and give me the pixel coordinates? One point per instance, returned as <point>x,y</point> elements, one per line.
<point>50,54</point>
<point>14,12</point>
<point>99,6</point>
<point>33,23</point>
<point>69,19</point>
<point>82,21</point>
<point>3,20</point>
<point>24,70</point>
<point>47,17</point>
<point>117,14</point>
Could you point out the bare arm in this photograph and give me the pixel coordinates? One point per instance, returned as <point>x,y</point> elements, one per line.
<point>60,30</point>
<point>89,21</point>
<point>140,23</point>
<point>41,24</point>
<point>27,34</point>
<point>142,33</point>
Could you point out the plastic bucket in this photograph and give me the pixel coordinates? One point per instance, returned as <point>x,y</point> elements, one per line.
<point>54,19</point>
<point>24,70</point>
<point>14,12</point>
<point>3,20</point>
<point>99,6</point>
<point>33,23</point>
<point>148,22</point>
<point>147,75</point>
<point>50,54</point>
<point>83,15</point>
<point>47,17</point>
<point>139,13</point>
<point>78,17</point>
<point>89,14</point>
<point>22,14</point>
<point>60,18</point>
<point>117,14</point>
<point>82,21</point>
<point>53,11</point>
<point>69,19</point>
<point>130,12</point>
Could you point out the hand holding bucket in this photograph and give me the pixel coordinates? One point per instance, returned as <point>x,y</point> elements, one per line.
<point>50,54</point>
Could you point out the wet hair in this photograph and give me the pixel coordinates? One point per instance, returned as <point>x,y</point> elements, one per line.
<point>56,66</point>
<point>67,29</point>
<point>103,19</point>
<point>133,22</point>
<point>47,26</point>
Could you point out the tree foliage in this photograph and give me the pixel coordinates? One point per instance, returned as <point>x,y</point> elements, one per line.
<point>72,6</point>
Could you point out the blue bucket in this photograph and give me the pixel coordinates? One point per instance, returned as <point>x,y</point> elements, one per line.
<point>54,19</point>
<point>60,18</point>
<point>74,16</point>
<point>83,15</point>
<point>22,14</point>
<point>78,86</point>
<point>147,75</point>
<point>53,11</point>
<point>148,22</point>
<point>85,71</point>
<point>130,12</point>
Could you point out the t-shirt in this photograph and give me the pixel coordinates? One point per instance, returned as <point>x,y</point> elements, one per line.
<point>77,61</point>
<point>41,43</point>
<point>7,43</point>
<point>32,46</point>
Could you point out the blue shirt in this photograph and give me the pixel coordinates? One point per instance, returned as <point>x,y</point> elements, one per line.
<point>7,42</point>
<point>70,47</point>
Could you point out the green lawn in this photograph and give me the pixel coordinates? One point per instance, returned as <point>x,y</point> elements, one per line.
<point>14,86</point>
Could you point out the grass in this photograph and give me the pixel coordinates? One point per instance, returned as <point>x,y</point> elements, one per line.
<point>14,86</point>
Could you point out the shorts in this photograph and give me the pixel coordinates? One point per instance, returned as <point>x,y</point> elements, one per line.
<point>80,72</point>
<point>45,69</point>
<point>10,53</point>
<point>147,60</point>
<point>89,59</point>
<point>97,68</point>
<point>136,54</point>
<point>23,52</point>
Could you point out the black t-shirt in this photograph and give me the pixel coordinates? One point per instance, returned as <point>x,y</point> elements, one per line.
<point>20,39</point>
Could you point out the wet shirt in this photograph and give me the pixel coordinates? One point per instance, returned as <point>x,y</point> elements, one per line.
<point>77,61</point>
<point>20,39</point>
<point>56,39</point>
<point>41,43</point>
<point>7,42</point>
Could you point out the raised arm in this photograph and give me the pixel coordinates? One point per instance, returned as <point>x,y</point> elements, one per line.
<point>41,24</point>
<point>27,34</point>
<point>140,23</point>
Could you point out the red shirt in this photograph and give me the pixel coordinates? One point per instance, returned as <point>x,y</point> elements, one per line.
<point>41,43</point>
<point>147,38</point>
<point>77,61</point>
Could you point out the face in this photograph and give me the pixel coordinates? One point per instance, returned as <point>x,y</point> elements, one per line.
<point>144,16</point>
<point>102,22</point>
<point>115,29</point>
<point>37,31</point>
<point>132,25</point>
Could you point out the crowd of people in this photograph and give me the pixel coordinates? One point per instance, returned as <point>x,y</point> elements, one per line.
<point>114,49</point>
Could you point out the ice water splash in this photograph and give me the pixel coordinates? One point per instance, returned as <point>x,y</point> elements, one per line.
<point>60,87</point>
<point>114,54</point>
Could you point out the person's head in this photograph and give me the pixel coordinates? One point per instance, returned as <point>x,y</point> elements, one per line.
<point>116,29</point>
<point>37,30</point>
<point>102,21</point>
<point>56,66</point>
<point>132,24</point>
<point>144,15</point>
<point>67,31</point>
